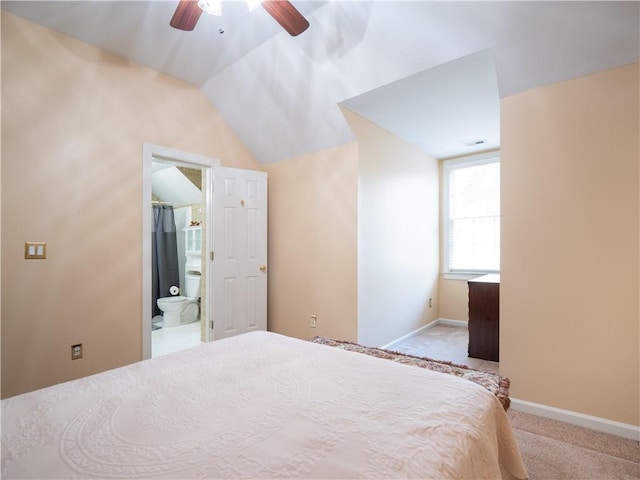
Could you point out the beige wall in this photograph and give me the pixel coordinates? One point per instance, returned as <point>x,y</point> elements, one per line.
<point>570,285</point>
<point>74,119</point>
<point>312,244</point>
<point>454,299</point>
<point>398,242</point>
<point>372,287</point>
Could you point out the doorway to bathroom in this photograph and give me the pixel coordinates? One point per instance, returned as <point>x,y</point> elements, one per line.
<point>179,225</point>
<point>177,262</point>
<point>229,220</point>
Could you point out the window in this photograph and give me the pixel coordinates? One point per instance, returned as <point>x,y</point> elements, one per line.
<point>471,214</point>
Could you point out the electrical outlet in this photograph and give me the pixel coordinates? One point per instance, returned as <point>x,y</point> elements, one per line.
<point>76,351</point>
<point>430,302</point>
<point>314,321</point>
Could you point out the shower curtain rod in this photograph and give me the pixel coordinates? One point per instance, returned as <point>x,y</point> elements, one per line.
<point>175,205</point>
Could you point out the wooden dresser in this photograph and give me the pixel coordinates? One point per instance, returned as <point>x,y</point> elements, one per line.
<point>484,317</point>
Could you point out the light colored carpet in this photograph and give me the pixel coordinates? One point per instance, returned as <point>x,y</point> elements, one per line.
<point>551,450</point>
<point>444,342</point>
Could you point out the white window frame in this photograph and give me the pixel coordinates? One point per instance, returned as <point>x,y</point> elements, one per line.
<point>447,167</point>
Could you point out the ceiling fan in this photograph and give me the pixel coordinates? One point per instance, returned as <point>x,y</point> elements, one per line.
<point>188,12</point>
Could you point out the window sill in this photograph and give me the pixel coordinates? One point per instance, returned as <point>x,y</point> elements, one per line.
<point>463,275</point>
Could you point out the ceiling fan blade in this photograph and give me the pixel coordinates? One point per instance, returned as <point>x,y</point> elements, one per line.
<point>186,15</point>
<point>286,15</point>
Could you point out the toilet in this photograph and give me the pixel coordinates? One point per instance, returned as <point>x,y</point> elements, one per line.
<point>178,310</point>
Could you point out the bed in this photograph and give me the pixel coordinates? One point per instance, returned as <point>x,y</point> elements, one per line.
<point>260,405</point>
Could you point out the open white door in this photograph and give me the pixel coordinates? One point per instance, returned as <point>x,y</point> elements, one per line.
<point>240,252</point>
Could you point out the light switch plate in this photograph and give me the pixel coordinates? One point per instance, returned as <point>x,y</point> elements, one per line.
<point>35,250</point>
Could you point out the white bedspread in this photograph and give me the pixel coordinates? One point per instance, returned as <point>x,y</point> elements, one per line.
<point>260,405</point>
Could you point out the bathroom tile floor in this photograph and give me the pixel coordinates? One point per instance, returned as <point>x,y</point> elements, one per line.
<point>445,342</point>
<point>173,339</point>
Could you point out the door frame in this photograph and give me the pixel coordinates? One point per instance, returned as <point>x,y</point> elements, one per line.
<point>149,152</point>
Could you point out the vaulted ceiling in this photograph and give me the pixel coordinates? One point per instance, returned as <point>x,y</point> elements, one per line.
<point>405,65</point>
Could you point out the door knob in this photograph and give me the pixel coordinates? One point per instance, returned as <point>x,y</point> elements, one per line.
<point>263,268</point>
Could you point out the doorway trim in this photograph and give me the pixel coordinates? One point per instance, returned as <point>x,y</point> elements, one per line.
<point>149,152</point>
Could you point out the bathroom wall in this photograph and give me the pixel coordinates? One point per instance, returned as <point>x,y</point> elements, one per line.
<point>74,121</point>
<point>193,174</point>
<point>183,219</point>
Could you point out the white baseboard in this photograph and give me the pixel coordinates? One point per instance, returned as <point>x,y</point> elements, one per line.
<point>411,334</point>
<point>437,321</point>
<point>453,323</point>
<point>598,424</point>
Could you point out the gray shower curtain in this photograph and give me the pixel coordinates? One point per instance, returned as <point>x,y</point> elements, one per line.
<point>164,250</point>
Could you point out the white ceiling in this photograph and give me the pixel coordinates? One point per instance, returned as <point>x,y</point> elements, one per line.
<point>281,94</point>
<point>451,109</point>
<point>170,185</point>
